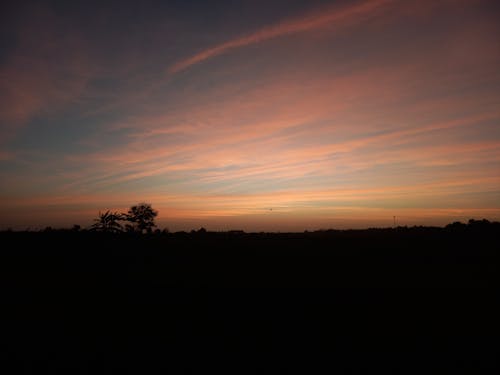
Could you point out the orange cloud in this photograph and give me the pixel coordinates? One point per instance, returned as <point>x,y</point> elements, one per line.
<point>277,159</point>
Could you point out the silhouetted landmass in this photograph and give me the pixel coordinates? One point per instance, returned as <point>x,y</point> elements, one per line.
<point>408,300</point>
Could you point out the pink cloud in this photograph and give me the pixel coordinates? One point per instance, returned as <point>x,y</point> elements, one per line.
<point>337,15</point>
<point>46,70</point>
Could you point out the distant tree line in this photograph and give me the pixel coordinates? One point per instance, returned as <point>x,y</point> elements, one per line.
<point>141,219</point>
<point>138,219</point>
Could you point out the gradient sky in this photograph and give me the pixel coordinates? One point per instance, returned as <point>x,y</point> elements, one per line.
<point>255,115</point>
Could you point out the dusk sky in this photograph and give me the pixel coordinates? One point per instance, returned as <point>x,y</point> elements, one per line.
<point>277,115</point>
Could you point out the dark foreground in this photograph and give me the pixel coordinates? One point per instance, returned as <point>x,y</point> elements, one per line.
<point>416,300</point>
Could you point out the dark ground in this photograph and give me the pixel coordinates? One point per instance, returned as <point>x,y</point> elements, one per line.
<point>405,300</point>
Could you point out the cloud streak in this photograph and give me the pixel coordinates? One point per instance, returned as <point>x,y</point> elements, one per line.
<point>338,16</point>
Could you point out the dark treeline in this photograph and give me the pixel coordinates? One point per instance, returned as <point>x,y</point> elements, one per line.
<point>320,258</point>
<point>405,299</point>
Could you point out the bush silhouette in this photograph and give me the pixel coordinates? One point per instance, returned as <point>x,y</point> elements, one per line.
<point>108,222</point>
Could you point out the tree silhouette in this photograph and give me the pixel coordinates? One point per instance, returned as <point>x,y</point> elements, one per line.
<point>142,217</point>
<point>108,222</point>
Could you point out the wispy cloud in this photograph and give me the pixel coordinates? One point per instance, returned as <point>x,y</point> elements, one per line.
<point>305,208</point>
<point>39,76</point>
<point>340,16</point>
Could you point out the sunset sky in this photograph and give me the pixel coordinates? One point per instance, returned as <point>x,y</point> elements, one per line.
<point>277,115</point>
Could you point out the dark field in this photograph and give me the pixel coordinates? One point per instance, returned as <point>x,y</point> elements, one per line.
<point>404,300</point>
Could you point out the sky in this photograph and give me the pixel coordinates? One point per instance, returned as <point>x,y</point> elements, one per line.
<point>277,115</point>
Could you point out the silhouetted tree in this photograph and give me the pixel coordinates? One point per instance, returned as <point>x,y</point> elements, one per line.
<point>457,226</point>
<point>108,222</point>
<point>479,223</point>
<point>142,217</point>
